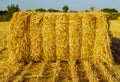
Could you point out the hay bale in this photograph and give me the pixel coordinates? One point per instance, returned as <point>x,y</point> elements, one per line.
<point>48,34</point>
<point>102,58</point>
<point>118,19</point>
<point>65,38</point>
<point>102,52</point>
<point>88,36</point>
<point>18,39</point>
<point>36,24</point>
<point>75,36</point>
<point>62,37</point>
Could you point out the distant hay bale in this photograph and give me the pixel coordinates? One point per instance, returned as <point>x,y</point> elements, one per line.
<point>18,39</point>
<point>36,39</point>
<point>88,36</point>
<point>62,37</point>
<point>75,36</point>
<point>49,35</point>
<point>118,19</point>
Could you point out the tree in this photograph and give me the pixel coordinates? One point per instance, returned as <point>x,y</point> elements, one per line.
<point>86,11</point>
<point>92,8</point>
<point>11,9</point>
<point>40,10</point>
<point>53,10</point>
<point>3,12</point>
<point>65,8</point>
<point>73,11</point>
<point>109,10</point>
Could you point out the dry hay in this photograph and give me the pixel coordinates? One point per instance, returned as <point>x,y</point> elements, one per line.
<point>88,40</point>
<point>64,37</point>
<point>75,36</point>
<point>18,39</point>
<point>48,34</point>
<point>36,24</point>
<point>102,52</point>
<point>88,36</point>
<point>102,58</point>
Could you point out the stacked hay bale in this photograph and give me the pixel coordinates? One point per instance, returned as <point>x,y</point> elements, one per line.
<point>88,36</point>
<point>88,39</point>
<point>102,56</point>
<point>62,37</point>
<point>71,37</point>
<point>36,24</point>
<point>75,36</point>
<point>75,42</point>
<point>48,34</point>
<point>18,38</point>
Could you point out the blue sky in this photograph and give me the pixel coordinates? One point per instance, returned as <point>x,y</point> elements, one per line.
<point>78,5</point>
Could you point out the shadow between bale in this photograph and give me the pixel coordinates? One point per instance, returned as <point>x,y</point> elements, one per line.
<point>115,48</point>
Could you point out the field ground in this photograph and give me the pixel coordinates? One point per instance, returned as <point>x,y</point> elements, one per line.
<point>47,72</point>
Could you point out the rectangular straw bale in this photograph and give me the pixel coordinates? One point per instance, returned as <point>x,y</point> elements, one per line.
<point>88,35</point>
<point>18,40</point>
<point>36,24</point>
<point>75,37</point>
<point>62,37</point>
<point>48,31</point>
<point>102,50</point>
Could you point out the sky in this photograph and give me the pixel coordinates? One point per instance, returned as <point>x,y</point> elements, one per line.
<point>78,5</point>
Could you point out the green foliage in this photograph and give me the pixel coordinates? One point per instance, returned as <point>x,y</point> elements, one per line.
<point>3,12</point>
<point>6,15</point>
<point>92,8</point>
<point>86,11</point>
<point>113,15</point>
<point>29,10</point>
<point>52,10</point>
<point>4,18</point>
<point>73,11</point>
<point>11,9</point>
<point>109,10</point>
<point>40,10</point>
<point>65,8</point>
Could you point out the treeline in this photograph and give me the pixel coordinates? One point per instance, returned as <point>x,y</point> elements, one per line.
<point>7,14</point>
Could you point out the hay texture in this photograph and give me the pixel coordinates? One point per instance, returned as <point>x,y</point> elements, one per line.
<point>18,39</point>
<point>75,36</point>
<point>88,36</point>
<point>79,42</point>
<point>102,52</point>
<point>102,58</point>
<point>48,34</point>
<point>36,39</point>
<point>62,36</point>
